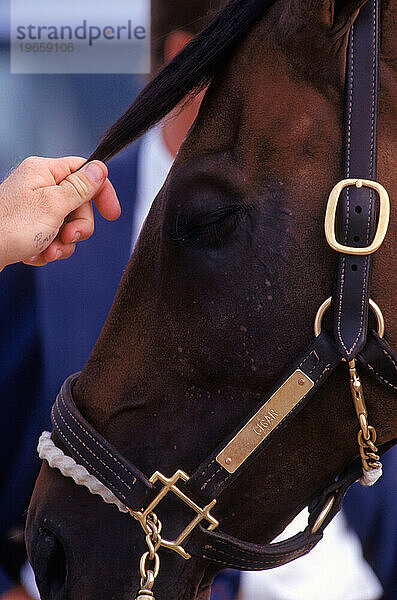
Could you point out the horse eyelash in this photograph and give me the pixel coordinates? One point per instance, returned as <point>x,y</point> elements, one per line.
<point>212,230</point>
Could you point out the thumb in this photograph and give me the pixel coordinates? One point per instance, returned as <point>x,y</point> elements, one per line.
<point>80,187</point>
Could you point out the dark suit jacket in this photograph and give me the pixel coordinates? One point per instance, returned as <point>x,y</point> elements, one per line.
<point>74,296</point>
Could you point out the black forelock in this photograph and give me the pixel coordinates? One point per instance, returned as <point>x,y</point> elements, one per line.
<point>190,71</point>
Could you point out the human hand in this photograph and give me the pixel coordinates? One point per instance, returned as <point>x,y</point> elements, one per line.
<point>45,208</point>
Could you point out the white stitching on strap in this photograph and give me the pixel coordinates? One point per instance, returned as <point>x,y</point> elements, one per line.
<point>347,193</point>
<point>210,478</point>
<point>389,356</point>
<point>313,352</point>
<point>84,429</point>
<point>89,450</point>
<point>379,376</point>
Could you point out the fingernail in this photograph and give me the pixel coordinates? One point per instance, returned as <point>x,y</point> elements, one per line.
<point>33,258</point>
<point>59,253</point>
<point>95,172</point>
<point>77,237</point>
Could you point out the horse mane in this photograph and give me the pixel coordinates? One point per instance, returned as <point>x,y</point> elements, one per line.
<point>190,72</point>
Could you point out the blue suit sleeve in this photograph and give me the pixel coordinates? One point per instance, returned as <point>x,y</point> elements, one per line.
<point>5,582</point>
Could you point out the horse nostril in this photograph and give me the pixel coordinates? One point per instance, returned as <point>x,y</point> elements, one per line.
<point>49,564</point>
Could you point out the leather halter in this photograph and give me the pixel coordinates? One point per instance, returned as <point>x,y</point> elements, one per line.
<point>356,229</point>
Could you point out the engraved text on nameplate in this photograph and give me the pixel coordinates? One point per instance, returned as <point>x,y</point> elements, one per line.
<point>268,417</point>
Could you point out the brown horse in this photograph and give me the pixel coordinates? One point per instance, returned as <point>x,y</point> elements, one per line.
<point>221,292</point>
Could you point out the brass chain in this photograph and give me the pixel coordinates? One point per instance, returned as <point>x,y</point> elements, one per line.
<point>367,435</point>
<point>153,528</point>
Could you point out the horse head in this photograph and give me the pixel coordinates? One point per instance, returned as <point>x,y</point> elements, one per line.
<point>220,295</point>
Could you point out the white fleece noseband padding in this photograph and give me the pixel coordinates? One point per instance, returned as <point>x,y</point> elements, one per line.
<point>69,468</point>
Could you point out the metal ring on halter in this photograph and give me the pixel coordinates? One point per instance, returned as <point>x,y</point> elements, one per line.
<point>324,514</point>
<point>325,306</point>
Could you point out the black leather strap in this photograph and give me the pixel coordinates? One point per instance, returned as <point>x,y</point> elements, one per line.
<point>132,488</point>
<point>103,461</point>
<point>380,360</point>
<point>229,551</point>
<point>357,207</point>
<point>318,362</point>
<point>234,553</point>
<point>92,451</point>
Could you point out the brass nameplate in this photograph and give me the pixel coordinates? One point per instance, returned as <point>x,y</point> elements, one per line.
<point>268,417</point>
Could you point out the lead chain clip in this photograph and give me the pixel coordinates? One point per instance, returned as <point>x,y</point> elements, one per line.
<point>372,467</point>
<point>153,528</point>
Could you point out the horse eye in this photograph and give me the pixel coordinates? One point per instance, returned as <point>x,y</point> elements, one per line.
<point>210,229</point>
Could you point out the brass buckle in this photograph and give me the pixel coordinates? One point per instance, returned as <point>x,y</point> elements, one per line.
<point>383,222</point>
<point>169,484</point>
